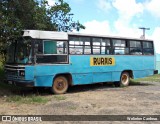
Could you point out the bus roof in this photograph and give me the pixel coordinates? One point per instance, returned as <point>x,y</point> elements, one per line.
<point>107,36</point>
<point>39,34</point>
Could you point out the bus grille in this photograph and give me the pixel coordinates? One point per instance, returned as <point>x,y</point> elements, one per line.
<point>12,72</point>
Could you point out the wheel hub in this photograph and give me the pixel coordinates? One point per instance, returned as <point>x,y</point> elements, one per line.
<point>124,78</point>
<point>60,85</point>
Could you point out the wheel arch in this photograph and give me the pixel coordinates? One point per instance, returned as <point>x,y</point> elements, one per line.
<point>130,72</point>
<point>68,76</point>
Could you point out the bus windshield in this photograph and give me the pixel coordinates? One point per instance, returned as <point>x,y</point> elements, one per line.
<point>19,51</point>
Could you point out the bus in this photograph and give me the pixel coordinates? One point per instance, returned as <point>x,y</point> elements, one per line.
<point>58,60</point>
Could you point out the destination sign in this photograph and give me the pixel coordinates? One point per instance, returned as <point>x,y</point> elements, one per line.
<point>102,61</point>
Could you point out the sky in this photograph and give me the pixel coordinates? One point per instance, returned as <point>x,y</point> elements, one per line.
<point>118,17</point>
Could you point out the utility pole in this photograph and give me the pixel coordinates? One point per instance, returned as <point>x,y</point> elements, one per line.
<point>143,29</point>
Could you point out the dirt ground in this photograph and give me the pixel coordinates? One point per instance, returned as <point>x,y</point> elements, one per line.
<point>97,99</point>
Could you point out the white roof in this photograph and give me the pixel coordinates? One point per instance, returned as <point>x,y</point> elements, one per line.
<point>106,36</point>
<point>37,34</point>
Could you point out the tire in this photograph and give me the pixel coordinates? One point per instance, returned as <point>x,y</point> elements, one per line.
<point>60,85</point>
<point>124,80</point>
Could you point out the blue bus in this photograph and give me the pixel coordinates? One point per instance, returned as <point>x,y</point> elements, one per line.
<point>59,59</point>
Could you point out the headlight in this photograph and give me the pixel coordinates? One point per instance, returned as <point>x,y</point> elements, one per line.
<point>21,73</point>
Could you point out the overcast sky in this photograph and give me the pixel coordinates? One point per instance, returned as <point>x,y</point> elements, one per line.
<point>118,17</point>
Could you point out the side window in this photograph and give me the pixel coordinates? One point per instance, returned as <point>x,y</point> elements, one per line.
<point>79,45</point>
<point>86,45</point>
<point>135,48</point>
<point>49,51</point>
<point>148,48</point>
<point>120,47</point>
<point>101,46</point>
<point>106,46</point>
<point>61,47</point>
<point>50,47</point>
<point>96,44</point>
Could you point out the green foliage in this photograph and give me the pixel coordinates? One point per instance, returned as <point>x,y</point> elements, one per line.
<point>17,15</point>
<point>59,97</point>
<point>154,78</point>
<point>27,99</point>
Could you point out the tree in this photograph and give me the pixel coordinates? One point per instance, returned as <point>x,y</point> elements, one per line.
<point>17,15</point>
<point>61,16</point>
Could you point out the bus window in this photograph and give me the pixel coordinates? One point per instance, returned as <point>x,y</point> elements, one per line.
<point>50,51</point>
<point>105,46</point>
<point>148,48</point>
<point>79,45</point>
<point>135,44</point>
<point>61,47</point>
<point>106,42</point>
<point>120,43</point>
<point>96,42</point>
<point>87,49</point>
<point>119,47</point>
<point>101,46</point>
<point>76,49</point>
<point>135,48</point>
<point>50,47</point>
<point>135,51</point>
<point>121,51</point>
<point>147,45</point>
<point>96,49</point>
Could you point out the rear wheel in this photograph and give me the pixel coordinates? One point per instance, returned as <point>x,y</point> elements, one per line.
<point>60,85</point>
<point>124,80</point>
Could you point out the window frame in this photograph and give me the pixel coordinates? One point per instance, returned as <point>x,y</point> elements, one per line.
<point>100,46</point>
<point>132,40</point>
<point>91,45</point>
<point>83,45</point>
<point>148,48</point>
<point>43,40</point>
<point>127,48</point>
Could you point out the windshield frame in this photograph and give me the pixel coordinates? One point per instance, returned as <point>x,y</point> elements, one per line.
<point>19,41</point>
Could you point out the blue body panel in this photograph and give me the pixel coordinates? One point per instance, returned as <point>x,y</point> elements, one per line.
<point>82,73</point>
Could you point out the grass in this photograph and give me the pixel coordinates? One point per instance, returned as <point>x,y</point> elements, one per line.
<point>134,82</point>
<point>154,78</point>
<point>59,97</point>
<point>27,99</point>
<point>72,107</point>
<point>9,93</point>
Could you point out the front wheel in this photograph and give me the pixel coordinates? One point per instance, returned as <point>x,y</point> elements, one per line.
<point>60,85</point>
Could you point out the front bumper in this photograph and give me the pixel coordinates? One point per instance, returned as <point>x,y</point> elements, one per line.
<point>22,83</point>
